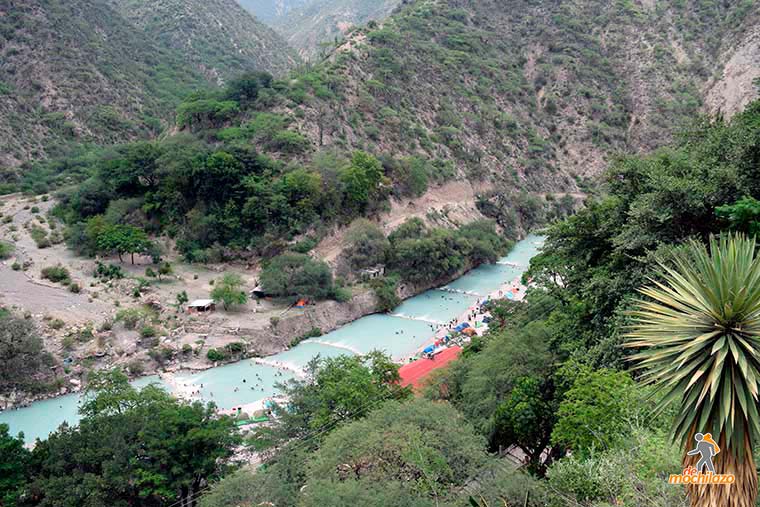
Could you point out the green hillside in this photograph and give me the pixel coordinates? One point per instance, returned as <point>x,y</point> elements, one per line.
<point>79,72</point>
<point>311,25</point>
<point>218,36</point>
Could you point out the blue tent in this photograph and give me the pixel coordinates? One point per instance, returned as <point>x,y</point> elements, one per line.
<point>463,325</point>
<point>429,349</point>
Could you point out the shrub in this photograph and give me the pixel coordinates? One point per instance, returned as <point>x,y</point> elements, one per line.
<point>39,236</point>
<point>67,343</point>
<point>74,288</point>
<point>130,317</point>
<point>110,272</point>
<point>305,245</point>
<point>366,245</point>
<point>6,250</point>
<point>136,367</point>
<point>235,347</point>
<point>56,274</point>
<point>85,335</point>
<point>216,355</point>
<point>147,332</point>
<point>56,324</point>
<point>386,293</point>
<point>187,348</point>
<point>16,266</point>
<point>161,354</point>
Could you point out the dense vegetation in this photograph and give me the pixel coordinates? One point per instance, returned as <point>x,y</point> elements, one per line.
<point>23,359</point>
<point>130,447</point>
<point>224,192</point>
<point>514,121</point>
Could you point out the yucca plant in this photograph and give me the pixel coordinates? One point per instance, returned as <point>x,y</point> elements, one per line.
<point>698,335</point>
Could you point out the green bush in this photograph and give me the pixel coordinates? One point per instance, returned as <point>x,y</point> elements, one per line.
<point>56,274</point>
<point>386,293</point>
<point>39,236</point>
<point>235,347</point>
<point>130,317</point>
<point>215,355</point>
<point>147,332</point>
<point>56,324</point>
<point>6,250</point>
<point>110,272</point>
<point>75,288</point>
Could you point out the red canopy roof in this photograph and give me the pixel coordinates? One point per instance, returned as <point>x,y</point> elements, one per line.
<point>414,373</point>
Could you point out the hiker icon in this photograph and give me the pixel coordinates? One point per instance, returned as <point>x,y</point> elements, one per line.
<point>706,448</point>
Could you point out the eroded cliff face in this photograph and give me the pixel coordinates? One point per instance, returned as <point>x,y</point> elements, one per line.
<point>736,85</point>
<point>326,315</point>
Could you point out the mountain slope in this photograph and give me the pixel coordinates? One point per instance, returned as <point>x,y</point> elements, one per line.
<point>77,71</point>
<point>270,10</point>
<point>521,92</point>
<point>306,24</point>
<point>218,36</point>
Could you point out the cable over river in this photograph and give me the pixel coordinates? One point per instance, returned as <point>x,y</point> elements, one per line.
<point>249,382</point>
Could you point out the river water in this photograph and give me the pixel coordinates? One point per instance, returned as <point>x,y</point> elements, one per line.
<point>399,334</point>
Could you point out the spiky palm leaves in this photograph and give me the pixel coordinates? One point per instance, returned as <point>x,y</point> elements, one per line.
<point>699,339</point>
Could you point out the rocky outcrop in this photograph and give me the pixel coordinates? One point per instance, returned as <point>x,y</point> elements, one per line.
<point>735,86</point>
<point>327,316</point>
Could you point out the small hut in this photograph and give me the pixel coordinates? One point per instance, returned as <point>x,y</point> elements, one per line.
<point>202,305</point>
<point>258,292</point>
<point>372,273</point>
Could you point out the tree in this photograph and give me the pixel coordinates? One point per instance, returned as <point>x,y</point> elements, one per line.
<point>366,245</point>
<point>697,334</point>
<point>417,453</point>
<point>22,353</point>
<point>294,274</point>
<point>14,464</point>
<point>439,254</point>
<point>182,298</point>
<point>245,89</point>
<point>356,188</point>
<point>229,291</point>
<point>337,389</point>
<point>597,411</point>
<point>370,166</point>
<point>165,269</point>
<point>123,239</point>
<point>131,448</point>
<point>525,418</point>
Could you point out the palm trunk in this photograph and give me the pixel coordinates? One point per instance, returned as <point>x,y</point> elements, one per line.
<point>740,494</point>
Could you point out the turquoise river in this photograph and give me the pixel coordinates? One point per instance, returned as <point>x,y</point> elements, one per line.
<point>399,334</point>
